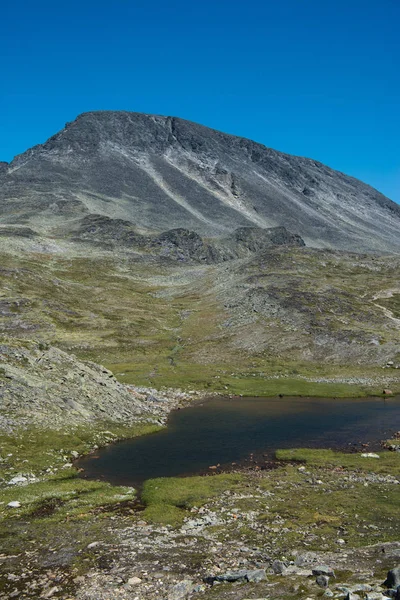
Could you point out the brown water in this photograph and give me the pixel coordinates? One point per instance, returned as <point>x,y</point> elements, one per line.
<point>222,431</point>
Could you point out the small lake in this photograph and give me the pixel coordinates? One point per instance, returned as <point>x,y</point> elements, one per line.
<point>222,431</point>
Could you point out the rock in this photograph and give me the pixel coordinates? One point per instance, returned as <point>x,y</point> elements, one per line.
<point>243,575</point>
<point>322,581</point>
<point>134,581</point>
<point>278,567</point>
<point>50,593</point>
<point>14,504</point>
<point>199,588</point>
<point>74,454</point>
<point>374,596</point>
<point>370,455</point>
<point>323,570</point>
<point>18,480</point>
<point>393,593</point>
<point>256,576</point>
<point>351,596</point>
<point>393,578</point>
<point>180,590</point>
<point>93,545</point>
<point>361,587</point>
<point>387,392</point>
<point>328,594</point>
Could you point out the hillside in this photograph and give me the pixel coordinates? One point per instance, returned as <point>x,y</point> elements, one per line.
<point>151,174</point>
<point>189,262</point>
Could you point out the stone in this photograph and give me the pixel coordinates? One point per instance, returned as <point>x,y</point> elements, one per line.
<point>393,594</point>
<point>134,581</point>
<point>361,587</point>
<point>393,578</point>
<point>328,593</point>
<point>180,590</point>
<point>278,567</point>
<point>322,581</point>
<point>323,570</point>
<point>256,576</point>
<point>375,596</point>
<point>242,575</point>
<point>370,455</point>
<point>351,596</point>
<point>18,480</point>
<point>14,504</point>
<point>199,588</point>
<point>50,593</point>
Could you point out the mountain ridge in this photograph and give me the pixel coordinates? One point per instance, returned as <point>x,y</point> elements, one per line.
<point>162,173</point>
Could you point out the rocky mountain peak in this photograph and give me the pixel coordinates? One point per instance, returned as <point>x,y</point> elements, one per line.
<point>163,173</point>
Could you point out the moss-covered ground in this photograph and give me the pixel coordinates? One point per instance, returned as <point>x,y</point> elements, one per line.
<point>312,500</point>
<point>245,329</point>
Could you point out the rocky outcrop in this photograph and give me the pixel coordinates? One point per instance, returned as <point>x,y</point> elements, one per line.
<point>162,173</point>
<point>16,231</point>
<point>44,386</point>
<point>182,244</point>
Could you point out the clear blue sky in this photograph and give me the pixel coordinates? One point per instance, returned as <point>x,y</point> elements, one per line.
<point>310,77</point>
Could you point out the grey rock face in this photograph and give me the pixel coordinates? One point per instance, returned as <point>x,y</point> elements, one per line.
<point>393,578</point>
<point>323,570</point>
<point>322,581</point>
<point>180,590</point>
<point>180,244</point>
<point>278,567</point>
<point>243,575</point>
<point>161,173</point>
<point>48,387</point>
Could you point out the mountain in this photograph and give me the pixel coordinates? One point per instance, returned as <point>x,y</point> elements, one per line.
<point>146,174</point>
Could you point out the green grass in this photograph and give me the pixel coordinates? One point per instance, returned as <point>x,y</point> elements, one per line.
<point>35,449</point>
<point>309,514</point>
<point>154,327</point>
<point>319,514</point>
<point>389,462</point>
<point>217,378</point>
<point>393,304</point>
<point>168,500</point>
<point>64,496</point>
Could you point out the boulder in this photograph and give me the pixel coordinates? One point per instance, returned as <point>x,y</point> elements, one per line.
<point>323,570</point>
<point>393,578</point>
<point>180,590</point>
<point>322,581</point>
<point>278,567</point>
<point>242,575</point>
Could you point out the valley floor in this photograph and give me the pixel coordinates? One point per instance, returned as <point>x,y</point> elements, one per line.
<point>292,321</point>
<point>265,529</point>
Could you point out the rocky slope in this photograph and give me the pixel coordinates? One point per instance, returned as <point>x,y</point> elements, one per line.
<point>42,386</point>
<point>161,173</point>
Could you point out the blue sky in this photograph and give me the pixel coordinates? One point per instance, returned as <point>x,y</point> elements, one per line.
<point>308,77</point>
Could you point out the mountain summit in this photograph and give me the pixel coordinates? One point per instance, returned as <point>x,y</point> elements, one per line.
<point>160,173</point>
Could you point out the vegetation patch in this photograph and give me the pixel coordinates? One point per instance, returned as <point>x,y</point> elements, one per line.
<point>168,500</point>
<point>388,462</point>
<point>40,451</point>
